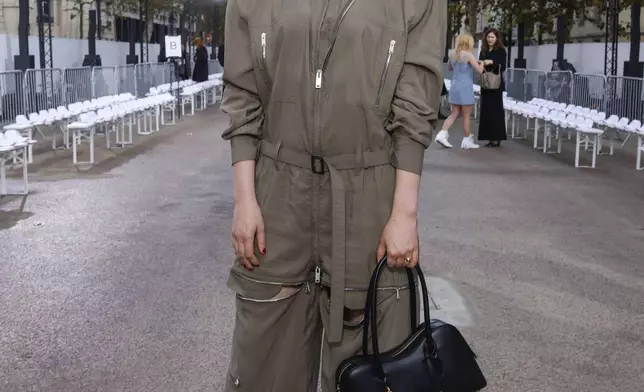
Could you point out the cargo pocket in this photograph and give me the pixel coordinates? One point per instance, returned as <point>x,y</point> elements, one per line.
<point>259,291</point>
<point>354,303</point>
<point>259,324</point>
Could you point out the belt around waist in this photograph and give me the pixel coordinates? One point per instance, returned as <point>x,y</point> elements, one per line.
<point>332,164</point>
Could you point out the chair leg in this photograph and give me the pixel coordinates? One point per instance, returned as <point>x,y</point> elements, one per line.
<point>577,147</point>
<point>30,149</point>
<point>3,176</point>
<point>595,149</point>
<point>157,117</point>
<point>91,145</point>
<point>638,163</point>
<point>25,175</point>
<point>74,146</point>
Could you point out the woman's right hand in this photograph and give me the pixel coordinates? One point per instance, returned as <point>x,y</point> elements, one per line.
<point>248,224</point>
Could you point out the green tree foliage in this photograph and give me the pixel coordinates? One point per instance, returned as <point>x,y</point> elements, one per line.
<point>544,13</point>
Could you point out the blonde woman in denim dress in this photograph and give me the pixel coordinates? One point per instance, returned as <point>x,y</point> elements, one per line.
<point>462,63</point>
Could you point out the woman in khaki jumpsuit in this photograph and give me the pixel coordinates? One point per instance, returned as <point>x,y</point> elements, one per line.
<point>332,104</point>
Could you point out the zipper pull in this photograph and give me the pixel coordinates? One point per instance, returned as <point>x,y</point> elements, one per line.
<point>318,275</point>
<point>392,45</point>
<point>318,78</point>
<point>263,36</point>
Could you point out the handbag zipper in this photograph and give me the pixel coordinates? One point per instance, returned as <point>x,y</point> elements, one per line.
<point>383,77</point>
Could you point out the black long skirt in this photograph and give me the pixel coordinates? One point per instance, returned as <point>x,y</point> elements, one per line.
<point>492,121</point>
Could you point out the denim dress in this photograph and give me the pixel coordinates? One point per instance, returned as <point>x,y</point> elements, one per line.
<point>462,88</point>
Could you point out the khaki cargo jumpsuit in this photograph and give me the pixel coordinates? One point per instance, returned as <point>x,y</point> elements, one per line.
<point>329,97</point>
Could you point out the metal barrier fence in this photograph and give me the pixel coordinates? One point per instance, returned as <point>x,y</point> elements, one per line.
<point>77,84</point>
<point>150,75</point>
<point>11,93</point>
<point>614,95</point>
<point>589,91</point>
<point>624,97</point>
<point>559,86</point>
<point>214,67</point>
<point>103,81</point>
<point>126,79</point>
<point>43,89</point>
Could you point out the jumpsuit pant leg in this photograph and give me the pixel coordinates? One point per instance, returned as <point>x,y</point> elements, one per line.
<point>394,326</point>
<point>276,343</point>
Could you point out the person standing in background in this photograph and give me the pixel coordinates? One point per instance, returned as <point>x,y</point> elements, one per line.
<point>462,63</point>
<point>444,92</point>
<point>492,121</point>
<point>200,73</point>
<point>220,54</point>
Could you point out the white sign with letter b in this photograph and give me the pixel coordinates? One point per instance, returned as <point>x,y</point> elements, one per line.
<point>172,46</point>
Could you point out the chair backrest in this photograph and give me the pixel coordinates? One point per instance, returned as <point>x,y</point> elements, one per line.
<point>13,136</point>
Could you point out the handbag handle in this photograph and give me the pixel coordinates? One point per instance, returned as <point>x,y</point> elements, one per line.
<point>371,308</point>
<point>368,306</point>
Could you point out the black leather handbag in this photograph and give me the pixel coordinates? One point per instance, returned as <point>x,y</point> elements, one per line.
<point>435,358</point>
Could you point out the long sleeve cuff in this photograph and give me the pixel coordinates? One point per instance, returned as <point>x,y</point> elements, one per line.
<point>244,148</point>
<point>408,154</point>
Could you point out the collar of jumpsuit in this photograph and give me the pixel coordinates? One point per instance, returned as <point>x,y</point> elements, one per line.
<point>345,90</point>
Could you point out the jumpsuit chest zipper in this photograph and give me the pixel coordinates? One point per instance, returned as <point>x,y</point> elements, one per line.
<point>263,41</point>
<point>343,13</point>
<point>385,71</point>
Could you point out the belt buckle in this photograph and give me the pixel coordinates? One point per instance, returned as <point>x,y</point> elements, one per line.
<point>317,164</point>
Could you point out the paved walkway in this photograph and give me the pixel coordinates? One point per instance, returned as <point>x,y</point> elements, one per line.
<point>114,281</point>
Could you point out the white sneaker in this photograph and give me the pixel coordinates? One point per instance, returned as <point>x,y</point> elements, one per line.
<point>468,143</point>
<point>441,139</point>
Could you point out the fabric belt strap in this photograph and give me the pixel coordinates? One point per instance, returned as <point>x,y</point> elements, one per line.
<point>332,165</point>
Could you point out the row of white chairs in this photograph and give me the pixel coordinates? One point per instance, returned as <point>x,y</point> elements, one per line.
<point>608,124</point>
<point>59,117</point>
<point>113,119</point>
<point>563,122</point>
<point>169,87</point>
<point>13,149</point>
<point>192,93</point>
<point>201,93</point>
<point>112,114</point>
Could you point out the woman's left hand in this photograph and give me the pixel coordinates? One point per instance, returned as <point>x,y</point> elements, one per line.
<point>399,240</point>
<point>488,62</point>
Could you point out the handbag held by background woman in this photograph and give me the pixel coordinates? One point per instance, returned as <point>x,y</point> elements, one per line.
<point>434,358</point>
<point>490,80</point>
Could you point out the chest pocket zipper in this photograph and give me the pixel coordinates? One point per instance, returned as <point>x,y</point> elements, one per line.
<point>385,71</point>
<point>263,65</point>
<point>263,40</point>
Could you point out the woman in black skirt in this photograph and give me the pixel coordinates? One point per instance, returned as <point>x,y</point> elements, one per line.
<point>492,122</point>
